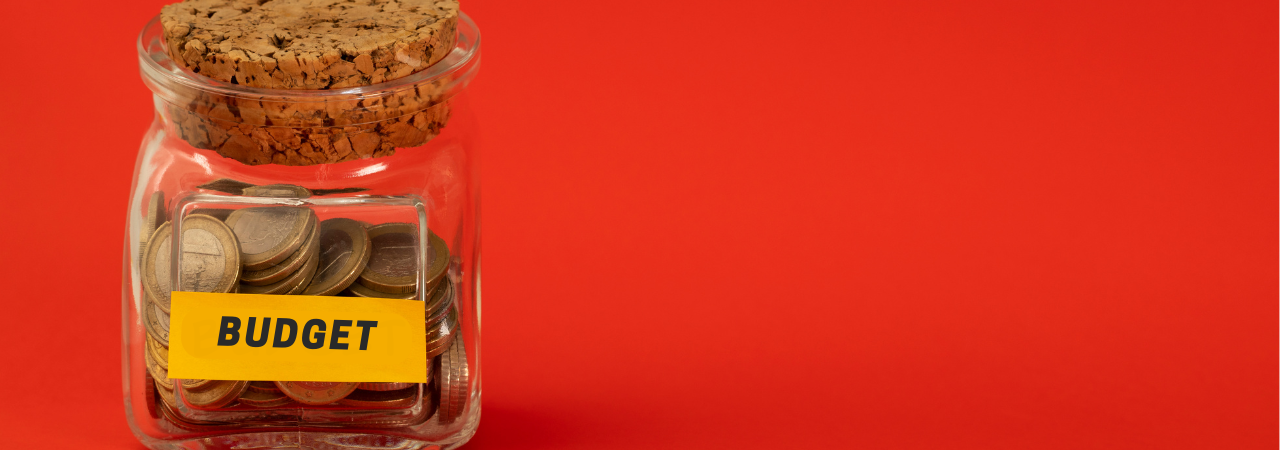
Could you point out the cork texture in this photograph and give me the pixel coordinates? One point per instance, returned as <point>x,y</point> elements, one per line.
<point>309,44</point>
<point>242,129</point>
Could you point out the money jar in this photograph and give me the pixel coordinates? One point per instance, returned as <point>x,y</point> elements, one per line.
<point>302,252</point>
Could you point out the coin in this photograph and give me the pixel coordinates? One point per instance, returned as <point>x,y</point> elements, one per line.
<point>277,191</point>
<point>155,216</point>
<point>210,259</point>
<point>344,251</point>
<point>393,259</point>
<point>290,265</point>
<point>306,282</point>
<point>227,185</point>
<point>296,281</point>
<point>197,385</point>
<point>162,320</point>
<point>210,255</point>
<point>264,399</point>
<point>157,351</point>
<point>440,339</point>
<point>263,386</point>
<point>159,374</point>
<point>438,305</point>
<point>155,266</point>
<point>437,260</point>
<point>453,376</point>
<point>314,392</point>
<point>152,323</point>
<point>359,290</point>
<point>269,234</point>
<point>166,394</point>
<point>217,395</point>
<point>400,398</point>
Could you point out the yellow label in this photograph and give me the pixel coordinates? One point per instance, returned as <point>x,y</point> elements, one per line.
<point>309,338</point>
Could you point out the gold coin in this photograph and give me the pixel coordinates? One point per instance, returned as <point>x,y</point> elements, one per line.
<point>210,259</point>
<point>151,322</point>
<point>233,187</point>
<point>197,385</point>
<point>296,281</point>
<point>269,234</point>
<point>277,191</point>
<point>400,398</point>
<point>216,395</point>
<point>315,392</point>
<point>287,267</point>
<point>262,399</point>
<point>393,259</point>
<point>159,374</point>
<point>166,394</point>
<point>453,376</point>
<point>359,290</point>
<point>157,351</point>
<point>344,251</point>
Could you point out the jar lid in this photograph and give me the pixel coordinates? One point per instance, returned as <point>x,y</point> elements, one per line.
<point>308,44</point>
<point>257,125</point>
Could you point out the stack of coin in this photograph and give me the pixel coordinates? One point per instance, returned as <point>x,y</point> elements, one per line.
<point>210,262</point>
<point>454,390</point>
<point>442,319</point>
<point>344,252</point>
<point>279,248</point>
<point>392,271</point>
<point>287,250</point>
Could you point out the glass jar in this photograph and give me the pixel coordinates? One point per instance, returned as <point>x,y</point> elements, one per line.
<point>357,193</point>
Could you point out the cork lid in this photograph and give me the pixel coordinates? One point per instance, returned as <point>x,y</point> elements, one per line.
<point>308,44</point>
<point>303,82</point>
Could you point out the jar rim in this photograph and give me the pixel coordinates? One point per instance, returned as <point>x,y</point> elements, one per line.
<point>163,75</point>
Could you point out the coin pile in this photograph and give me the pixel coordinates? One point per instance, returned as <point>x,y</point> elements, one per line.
<point>288,250</point>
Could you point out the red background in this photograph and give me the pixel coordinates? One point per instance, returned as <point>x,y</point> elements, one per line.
<point>888,224</point>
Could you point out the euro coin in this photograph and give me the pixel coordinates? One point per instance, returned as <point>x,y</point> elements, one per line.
<point>269,234</point>
<point>287,267</point>
<point>344,252</point>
